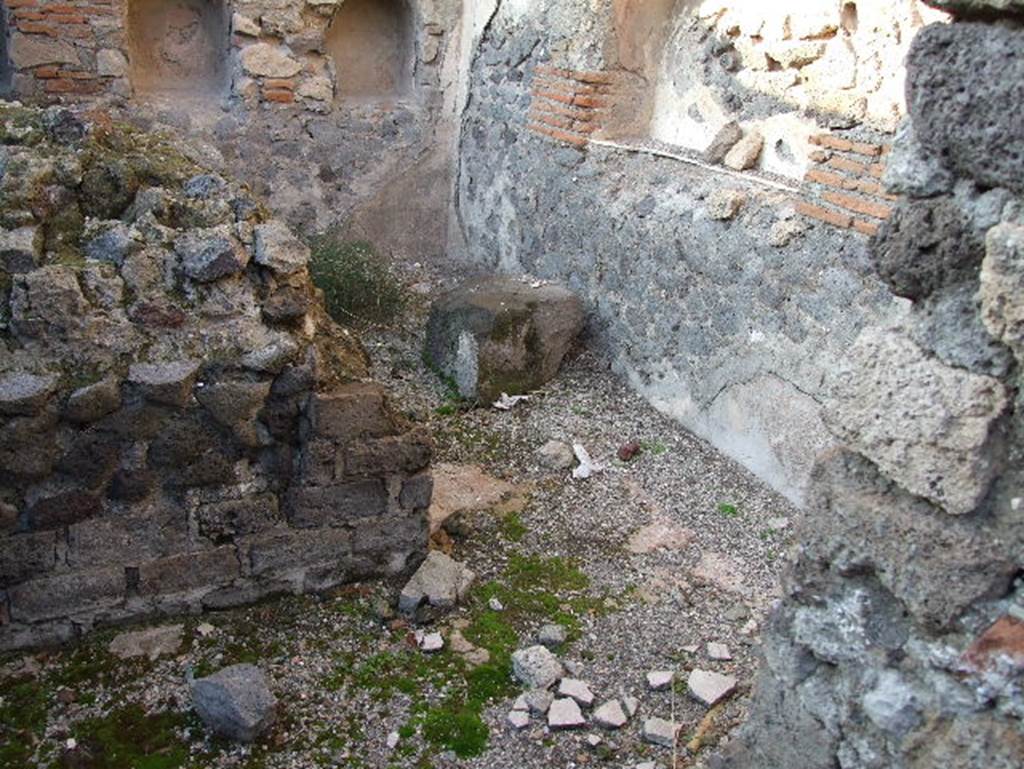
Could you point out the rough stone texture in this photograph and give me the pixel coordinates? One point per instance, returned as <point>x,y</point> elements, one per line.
<point>536,667</point>
<point>235,702</point>
<point>439,583</point>
<point>186,451</point>
<point>881,651</point>
<point>151,643</point>
<point>502,335</point>
<point>1002,286</point>
<point>278,249</point>
<point>961,77</point>
<point>931,428</point>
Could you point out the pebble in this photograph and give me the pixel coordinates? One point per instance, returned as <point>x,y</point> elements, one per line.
<point>709,687</point>
<point>496,605</point>
<point>611,715</point>
<point>521,704</point>
<point>578,690</point>
<point>518,720</point>
<point>658,731</point>
<point>659,680</point>
<point>536,667</point>
<point>551,636</point>
<point>565,714</point>
<point>206,629</point>
<point>736,612</point>
<point>393,740</point>
<point>555,455</point>
<point>431,642</point>
<point>593,740</point>
<point>719,651</point>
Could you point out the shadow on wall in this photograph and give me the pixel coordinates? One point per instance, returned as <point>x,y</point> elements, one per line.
<point>6,67</point>
<point>178,47</point>
<point>371,44</point>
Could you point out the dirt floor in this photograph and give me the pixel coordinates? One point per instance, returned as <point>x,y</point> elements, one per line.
<point>644,564</point>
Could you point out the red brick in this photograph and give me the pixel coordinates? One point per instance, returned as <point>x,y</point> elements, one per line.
<point>279,96</point>
<point>554,96</point>
<point>22,4</point>
<point>286,85</point>
<point>877,170</point>
<point>865,227</point>
<point>827,215</point>
<point>563,136</point>
<point>546,69</point>
<point>29,15</point>
<point>859,205</point>
<point>829,179</point>
<point>66,85</point>
<point>591,101</point>
<point>576,113</point>
<point>1004,638</point>
<point>555,121</point>
<point>871,150</point>
<point>831,142</point>
<point>847,165</point>
<point>33,28</point>
<point>76,75</point>
<point>46,72</point>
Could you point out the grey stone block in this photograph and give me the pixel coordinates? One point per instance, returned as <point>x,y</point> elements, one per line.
<point>188,571</point>
<point>25,394</point>
<point>314,506</point>
<point>168,383</point>
<point>929,427</point>
<point>350,412</point>
<point>207,255</point>
<point>407,453</point>
<point>408,533</point>
<point>287,550</point>
<point>24,556</point>
<point>417,492</point>
<point>223,521</point>
<point>56,597</point>
<point>94,401</point>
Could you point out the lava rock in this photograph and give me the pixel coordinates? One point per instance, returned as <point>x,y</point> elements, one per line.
<point>961,82</point>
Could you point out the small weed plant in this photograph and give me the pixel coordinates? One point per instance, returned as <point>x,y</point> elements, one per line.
<point>360,288</point>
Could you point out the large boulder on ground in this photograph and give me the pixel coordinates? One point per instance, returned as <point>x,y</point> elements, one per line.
<point>502,335</point>
<point>962,83</point>
<point>235,702</point>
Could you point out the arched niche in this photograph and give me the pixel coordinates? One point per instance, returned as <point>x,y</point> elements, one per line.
<point>178,47</point>
<point>372,45</point>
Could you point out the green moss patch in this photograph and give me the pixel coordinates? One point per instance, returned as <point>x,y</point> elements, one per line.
<point>359,286</point>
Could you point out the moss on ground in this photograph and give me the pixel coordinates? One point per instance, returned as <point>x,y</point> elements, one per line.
<point>359,286</point>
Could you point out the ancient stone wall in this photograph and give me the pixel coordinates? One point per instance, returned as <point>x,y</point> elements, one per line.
<point>707,175</point>
<point>900,639</point>
<point>320,106</point>
<point>181,426</point>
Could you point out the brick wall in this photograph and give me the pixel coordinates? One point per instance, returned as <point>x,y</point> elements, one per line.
<point>570,105</point>
<point>844,188</point>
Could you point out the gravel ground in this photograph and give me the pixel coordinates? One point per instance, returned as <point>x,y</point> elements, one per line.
<point>348,676</point>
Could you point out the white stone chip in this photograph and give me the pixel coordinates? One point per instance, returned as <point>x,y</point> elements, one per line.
<point>660,680</point>
<point>709,687</point>
<point>719,651</point>
<point>565,714</point>
<point>611,715</point>
<point>658,731</point>
<point>518,720</point>
<point>536,667</point>
<point>631,705</point>
<point>578,690</point>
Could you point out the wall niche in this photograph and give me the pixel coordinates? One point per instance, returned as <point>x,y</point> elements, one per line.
<point>372,45</point>
<point>178,47</point>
